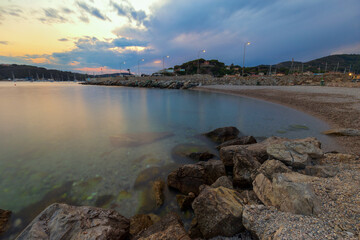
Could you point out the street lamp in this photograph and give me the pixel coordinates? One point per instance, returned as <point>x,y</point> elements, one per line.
<point>246,44</point>
<point>141,60</point>
<point>198,69</point>
<point>164,61</point>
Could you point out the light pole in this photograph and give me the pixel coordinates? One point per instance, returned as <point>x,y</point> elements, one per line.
<point>124,67</point>
<point>246,44</point>
<point>141,60</point>
<point>198,68</point>
<point>164,61</point>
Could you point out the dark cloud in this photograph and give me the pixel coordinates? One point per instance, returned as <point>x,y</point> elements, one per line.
<point>4,42</point>
<point>125,9</point>
<point>66,10</point>
<point>124,42</point>
<point>92,11</point>
<point>63,40</point>
<point>52,15</point>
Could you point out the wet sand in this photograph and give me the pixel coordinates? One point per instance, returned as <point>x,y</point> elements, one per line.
<point>338,106</point>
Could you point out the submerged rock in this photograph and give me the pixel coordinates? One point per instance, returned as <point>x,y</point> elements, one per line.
<point>297,153</point>
<point>287,192</point>
<point>138,139</point>
<point>268,223</point>
<point>158,191</point>
<point>181,153</point>
<point>147,175</point>
<point>185,201</point>
<point>343,132</point>
<point>62,221</point>
<point>188,178</point>
<point>224,134</point>
<point>169,227</point>
<point>218,212</point>
<point>238,141</point>
<point>201,156</point>
<point>4,220</point>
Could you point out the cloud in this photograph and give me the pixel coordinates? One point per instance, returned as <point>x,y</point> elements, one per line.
<point>4,42</point>
<point>52,16</point>
<point>66,10</point>
<point>11,11</point>
<point>92,11</point>
<point>125,42</point>
<point>129,11</point>
<point>63,40</point>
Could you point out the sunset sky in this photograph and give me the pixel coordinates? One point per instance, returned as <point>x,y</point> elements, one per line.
<point>90,35</point>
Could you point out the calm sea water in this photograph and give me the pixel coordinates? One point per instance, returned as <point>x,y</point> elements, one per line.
<point>102,146</point>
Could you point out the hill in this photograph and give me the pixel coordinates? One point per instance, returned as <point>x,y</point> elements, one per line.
<point>8,71</point>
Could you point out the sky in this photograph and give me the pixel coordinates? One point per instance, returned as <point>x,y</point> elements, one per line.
<point>108,36</point>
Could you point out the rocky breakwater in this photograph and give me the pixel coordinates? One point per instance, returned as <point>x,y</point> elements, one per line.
<point>275,189</point>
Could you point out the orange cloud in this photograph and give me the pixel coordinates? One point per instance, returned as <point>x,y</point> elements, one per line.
<point>157,61</point>
<point>74,63</point>
<point>40,60</point>
<point>98,70</point>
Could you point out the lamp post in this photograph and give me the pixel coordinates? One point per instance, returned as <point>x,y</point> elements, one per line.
<point>198,68</point>
<point>141,60</point>
<point>164,61</point>
<point>246,44</point>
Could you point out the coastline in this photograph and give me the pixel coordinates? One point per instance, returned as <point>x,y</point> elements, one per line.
<point>339,107</point>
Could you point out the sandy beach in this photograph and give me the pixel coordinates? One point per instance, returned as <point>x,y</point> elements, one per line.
<point>338,106</point>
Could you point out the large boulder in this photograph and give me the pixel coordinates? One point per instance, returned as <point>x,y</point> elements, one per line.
<point>244,166</point>
<point>4,220</point>
<point>169,227</point>
<point>61,221</point>
<point>218,212</point>
<point>297,153</point>
<point>238,141</point>
<point>201,156</point>
<point>271,167</point>
<point>223,181</point>
<point>268,223</point>
<point>287,192</point>
<point>224,134</point>
<point>188,178</point>
<point>258,150</point>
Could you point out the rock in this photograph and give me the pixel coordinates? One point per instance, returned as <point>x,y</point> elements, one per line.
<point>169,227</point>
<point>258,150</point>
<point>4,220</point>
<point>270,167</point>
<point>238,141</point>
<point>188,178</point>
<point>181,152</point>
<point>287,192</point>
<point>158,191</point>
<point>61,221</point>
<point>249,197</point>
<point>268,223</point>
<point>218,212</point>
<point>204,156</point>
<point>320,171</point>
<point>139,223</point>
<point>331,158</point>
<point>244,166</point>
<point>223,181</point>
<point>224,134</point>
<point>147,175</point>
<point>343,132</point>
<point>194,231</point>
<point>137,139</point>
<point>185,201</point>
<point>297,153</point>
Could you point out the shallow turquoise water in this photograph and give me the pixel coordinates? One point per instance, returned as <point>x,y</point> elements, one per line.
<point>57,141</point>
